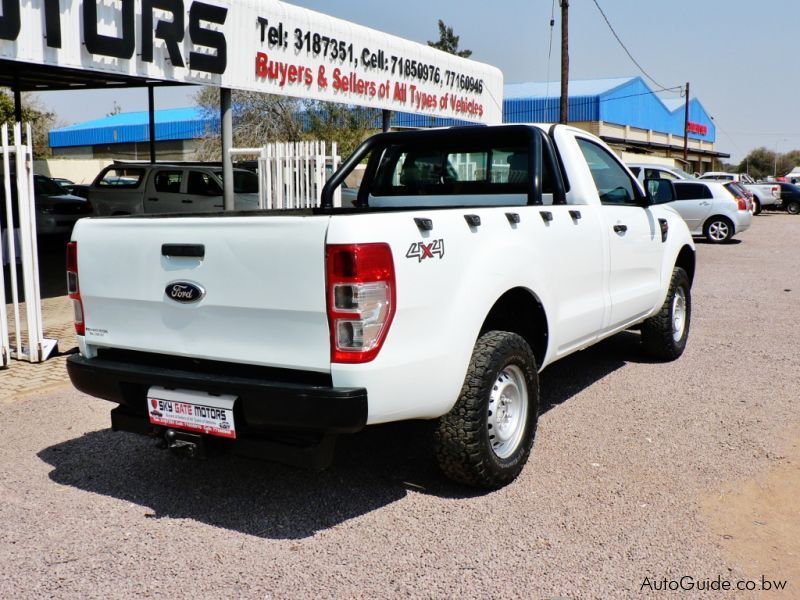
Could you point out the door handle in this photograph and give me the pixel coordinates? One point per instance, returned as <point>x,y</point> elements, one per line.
<point>152,199</point>
<point>620,228</point>
<point>705,204</point>
<point>187,201</point>
<point>575,214</point>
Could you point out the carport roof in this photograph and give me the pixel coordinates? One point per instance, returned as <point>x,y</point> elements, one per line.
<point>32,77</point>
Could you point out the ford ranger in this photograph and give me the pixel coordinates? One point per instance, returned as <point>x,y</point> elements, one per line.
<point>472,258</point>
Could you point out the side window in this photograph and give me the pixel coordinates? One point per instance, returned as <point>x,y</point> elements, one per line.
<point>613,184</point>
<point>121,178</point>
<point>168,181</point>
<point>202,184</point>
<point>665,175</point>
<point>692,191</point>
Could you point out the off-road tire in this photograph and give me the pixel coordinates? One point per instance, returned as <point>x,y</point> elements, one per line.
<point>713,225</point>
<point>659,332</point>
<point>462,439</point>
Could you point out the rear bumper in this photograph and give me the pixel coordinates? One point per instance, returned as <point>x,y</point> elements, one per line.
<point>262,405</point>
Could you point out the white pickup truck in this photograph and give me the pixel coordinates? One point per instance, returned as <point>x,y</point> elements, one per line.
<point>473,258</point>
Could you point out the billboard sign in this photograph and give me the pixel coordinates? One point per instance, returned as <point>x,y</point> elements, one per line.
<point>260,45</point>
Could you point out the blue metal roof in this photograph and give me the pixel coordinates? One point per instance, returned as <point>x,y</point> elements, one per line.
<point>622,100</point>
<point>171,124</point>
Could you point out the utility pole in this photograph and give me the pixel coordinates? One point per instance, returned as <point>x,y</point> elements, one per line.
<point>686,127</point>
<point>564,61</point>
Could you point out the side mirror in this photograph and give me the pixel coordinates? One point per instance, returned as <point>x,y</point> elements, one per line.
<point>659,191</point>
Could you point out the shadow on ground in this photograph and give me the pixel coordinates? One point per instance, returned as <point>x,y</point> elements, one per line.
<point>372,469</point>
<point>52,269</point>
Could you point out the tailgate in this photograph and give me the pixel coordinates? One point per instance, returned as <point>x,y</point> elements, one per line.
<point>263,277</point>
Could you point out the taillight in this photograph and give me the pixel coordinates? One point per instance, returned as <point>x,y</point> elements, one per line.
<point>73,287</point>
<point>361,299</point>
<point>742,203</point>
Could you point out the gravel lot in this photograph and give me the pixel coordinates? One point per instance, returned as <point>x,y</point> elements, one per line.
<point>639,470</point>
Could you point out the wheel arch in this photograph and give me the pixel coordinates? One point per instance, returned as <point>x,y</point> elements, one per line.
<point>520,311</point>
<point>686,260</point>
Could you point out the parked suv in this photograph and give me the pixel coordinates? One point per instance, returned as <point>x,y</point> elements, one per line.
<point>712,209</point>
<point>57,211</point>
<point>135,188</point>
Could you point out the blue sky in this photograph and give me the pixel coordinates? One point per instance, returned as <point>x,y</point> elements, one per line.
<point>740,56</point>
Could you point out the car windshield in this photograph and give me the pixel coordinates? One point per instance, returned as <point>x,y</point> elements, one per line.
<point>45,186</point>
<point>244,182</point>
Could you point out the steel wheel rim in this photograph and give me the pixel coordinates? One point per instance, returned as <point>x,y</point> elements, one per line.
<point>718,231</point>
<point>678,314</point>
<point>508,411</point>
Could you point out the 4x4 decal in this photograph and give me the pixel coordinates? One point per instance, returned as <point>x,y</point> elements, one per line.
<point>421,250</point>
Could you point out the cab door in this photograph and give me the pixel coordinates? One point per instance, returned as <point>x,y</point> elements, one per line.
<point>633,238</point>
<point>203,193</point>
<point>163,192</point>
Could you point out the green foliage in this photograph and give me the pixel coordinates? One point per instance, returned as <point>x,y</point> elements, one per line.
<point>448,41</point>
<point>345,125</point>
<point>762,162</point>
<point>41,120</point>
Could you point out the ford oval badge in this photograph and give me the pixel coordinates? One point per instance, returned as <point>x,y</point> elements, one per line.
<point>184,292</point>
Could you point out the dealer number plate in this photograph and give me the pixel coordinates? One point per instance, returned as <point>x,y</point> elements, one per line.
<point>192,411</point>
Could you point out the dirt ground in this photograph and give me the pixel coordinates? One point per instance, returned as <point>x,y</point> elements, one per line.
<point>643,474</point>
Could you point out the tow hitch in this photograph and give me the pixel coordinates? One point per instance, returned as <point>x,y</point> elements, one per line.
<point>183,443</point>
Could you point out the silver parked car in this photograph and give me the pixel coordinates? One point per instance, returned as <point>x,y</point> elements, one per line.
<point>713,209</point>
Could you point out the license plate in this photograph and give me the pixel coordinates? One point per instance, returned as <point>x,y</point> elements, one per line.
<point>192,411</point>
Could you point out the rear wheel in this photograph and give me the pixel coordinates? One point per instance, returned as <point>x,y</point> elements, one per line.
<point>718,229</point>
<point>793,207</point>
<point>756,206</point>
<point>664,334</point>
<point>485,440</point>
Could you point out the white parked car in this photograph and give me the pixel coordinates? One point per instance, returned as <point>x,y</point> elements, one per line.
<point>648,171</point>
<point>712,209</point>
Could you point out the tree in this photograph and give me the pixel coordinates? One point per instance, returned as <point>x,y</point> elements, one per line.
<point>345,125</point>
<point>258,119</point>
<point>763,162</point>
<point>448,42</point>
<point>33,112</point>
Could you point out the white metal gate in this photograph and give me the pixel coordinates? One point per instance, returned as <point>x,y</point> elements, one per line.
<point>19,246</point>
<point>292,174</point>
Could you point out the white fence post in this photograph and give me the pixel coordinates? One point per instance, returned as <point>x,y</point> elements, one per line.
<point>39,348</point>
<point>292,174</point>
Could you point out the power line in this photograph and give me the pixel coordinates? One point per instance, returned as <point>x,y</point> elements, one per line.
<point>646,74</point>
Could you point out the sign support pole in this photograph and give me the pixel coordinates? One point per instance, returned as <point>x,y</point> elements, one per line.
<point>151,121</point>
<point>226,131</point>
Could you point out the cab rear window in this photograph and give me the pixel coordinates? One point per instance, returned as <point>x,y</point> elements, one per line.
<point>415,171</point>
